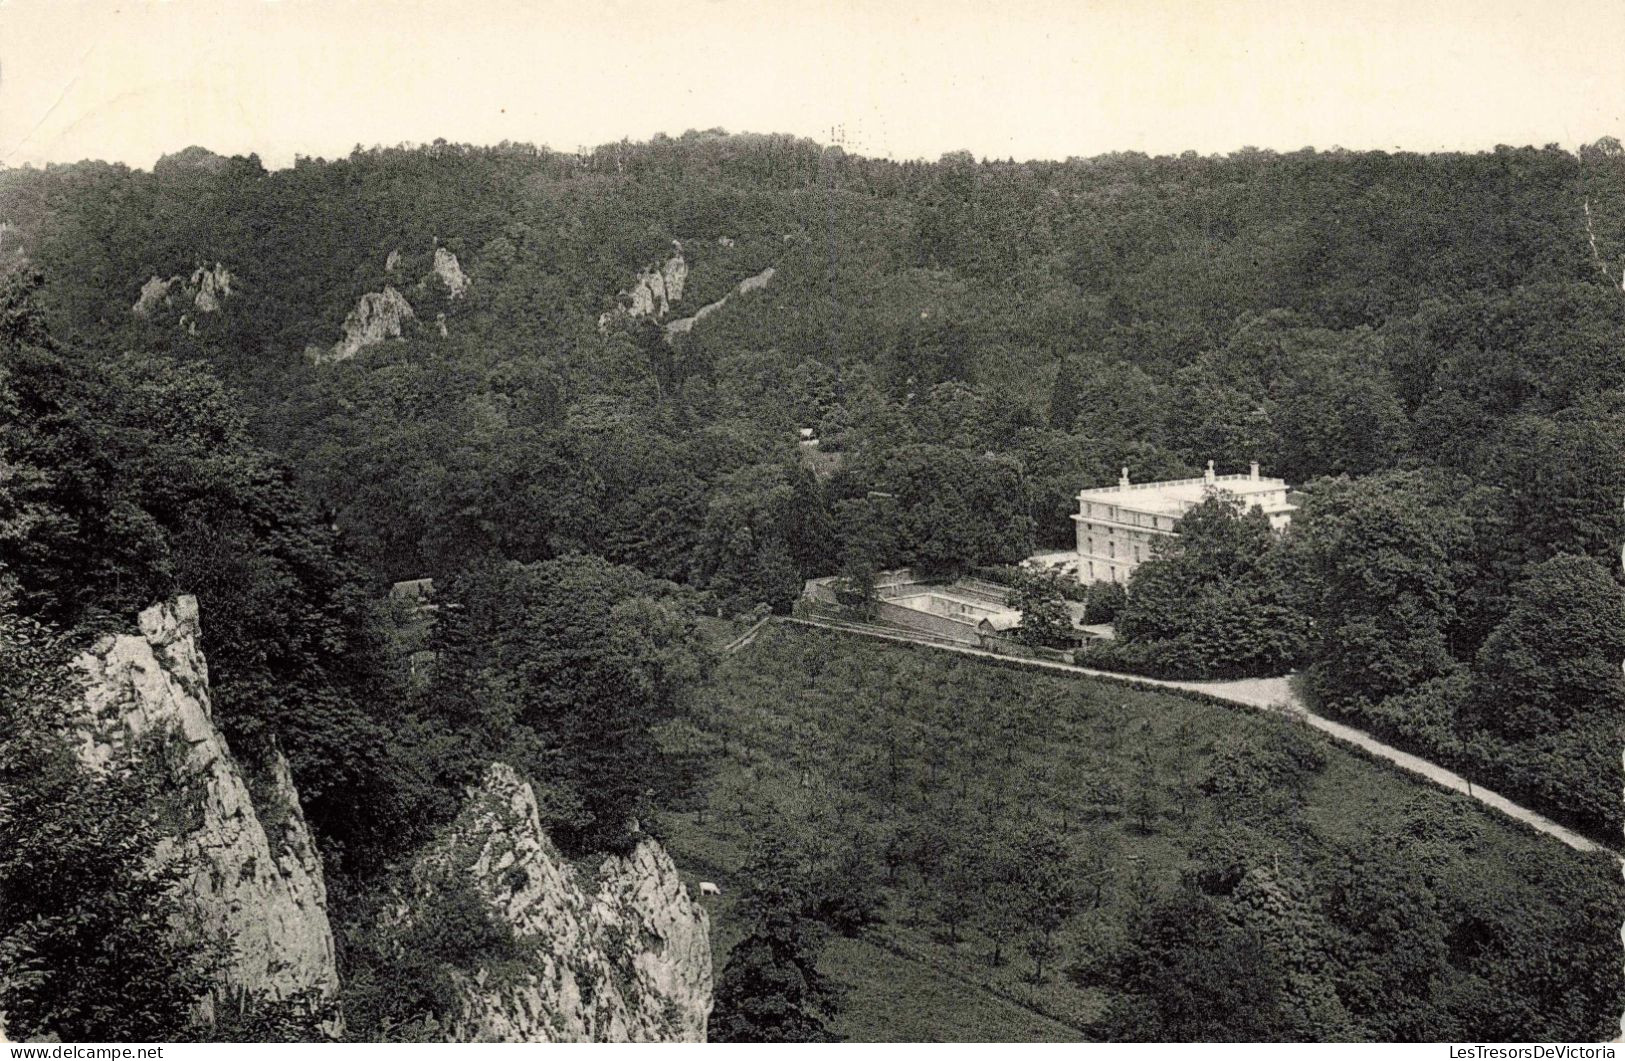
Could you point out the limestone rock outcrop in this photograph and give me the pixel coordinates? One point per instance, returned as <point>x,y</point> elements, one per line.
<point>210,286</point>
<point>154,294</point>
<point>254,877</point>
<point>654,291</point>
<point>450,273</point>
<point>755,283</point>
<point>378,316</point>
<point>641,897</point>
<point>624,957</point>
<point>202,292</point>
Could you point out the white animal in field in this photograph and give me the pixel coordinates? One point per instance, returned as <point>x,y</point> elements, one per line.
<point>707,888</point>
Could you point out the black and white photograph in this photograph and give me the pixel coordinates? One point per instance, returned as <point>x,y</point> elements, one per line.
<point>868,521</point>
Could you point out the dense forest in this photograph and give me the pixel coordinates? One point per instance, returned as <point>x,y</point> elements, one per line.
<point>1431,347</point>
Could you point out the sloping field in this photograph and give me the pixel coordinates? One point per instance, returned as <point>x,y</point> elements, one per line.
<point>928,772</point>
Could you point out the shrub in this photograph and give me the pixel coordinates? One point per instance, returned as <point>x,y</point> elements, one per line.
<point>1103,601</point>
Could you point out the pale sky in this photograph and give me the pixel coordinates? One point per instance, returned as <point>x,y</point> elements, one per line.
<point>129,80</point>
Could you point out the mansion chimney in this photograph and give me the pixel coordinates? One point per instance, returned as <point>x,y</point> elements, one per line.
<point>1252,473</point>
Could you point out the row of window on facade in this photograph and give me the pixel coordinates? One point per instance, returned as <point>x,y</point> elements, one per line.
<point>1136,519</point>
<point>1111,549</point>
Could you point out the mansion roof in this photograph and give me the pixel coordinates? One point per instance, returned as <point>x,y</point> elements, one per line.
<point>1175,497</point>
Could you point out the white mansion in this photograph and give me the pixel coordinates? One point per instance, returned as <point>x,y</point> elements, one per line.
<point>1116,524</point>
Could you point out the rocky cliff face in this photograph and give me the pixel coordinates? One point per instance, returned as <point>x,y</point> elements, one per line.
<point>209,287</point>
<point>653,292</point>
<point>202,292</point>
<point>257,880</point>
<point>624,957</point>
<point>155,293</point>
<point>378,316</point>
<point>450,273</point>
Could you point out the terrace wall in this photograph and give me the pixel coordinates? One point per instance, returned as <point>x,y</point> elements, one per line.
<point>938,625</point>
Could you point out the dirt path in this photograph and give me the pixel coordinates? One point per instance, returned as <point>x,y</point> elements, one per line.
<point>1269,694</point>
<point>745,638</point>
